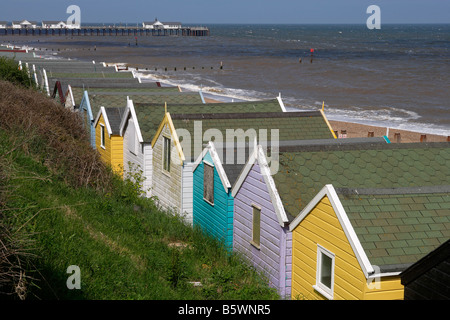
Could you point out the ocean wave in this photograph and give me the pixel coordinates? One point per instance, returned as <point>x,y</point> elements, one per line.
<point>389,118</point>
<point>198,83</point>
<point>381,116</point>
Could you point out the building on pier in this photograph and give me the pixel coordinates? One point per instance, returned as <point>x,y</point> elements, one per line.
<point>54,24</point>
<point>24,24</point>
<point>161,25</point>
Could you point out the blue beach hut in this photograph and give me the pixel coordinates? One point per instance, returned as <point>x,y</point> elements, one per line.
<point>213,178</point>
<point>87,117</point>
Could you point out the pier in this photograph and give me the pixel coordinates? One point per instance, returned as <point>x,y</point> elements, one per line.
<point>105,31</point>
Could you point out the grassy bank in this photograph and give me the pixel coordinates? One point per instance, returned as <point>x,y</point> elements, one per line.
<point>61,206</point>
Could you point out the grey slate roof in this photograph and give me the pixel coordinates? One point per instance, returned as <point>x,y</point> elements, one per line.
<point>398,226</point>
<point>396,196</point>
<point>114,118</point>
<point>237,154</point>
<point>151,115</point>
<point>243,151</point>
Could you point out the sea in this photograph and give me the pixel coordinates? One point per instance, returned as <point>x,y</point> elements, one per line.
<point>397,76</point>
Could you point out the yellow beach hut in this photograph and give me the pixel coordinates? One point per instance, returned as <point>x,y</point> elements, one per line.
<point>109,142</point>
<point>363,214</point>
<point>347,246</point>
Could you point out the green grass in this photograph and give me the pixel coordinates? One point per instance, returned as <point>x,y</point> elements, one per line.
<point>9,71</point>
<point>123,244</point>
<point>60,206</point>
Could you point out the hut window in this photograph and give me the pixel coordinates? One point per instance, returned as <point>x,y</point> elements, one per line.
<point>325,272</point>
<point>256,226</point>
<point>166,154</point>
<point>102,136</point>
<point>208,183</point>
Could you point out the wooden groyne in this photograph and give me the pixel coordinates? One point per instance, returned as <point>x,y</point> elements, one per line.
<point>105,31</point>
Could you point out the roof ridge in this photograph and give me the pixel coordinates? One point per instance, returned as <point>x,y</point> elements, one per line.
<point>362,145</point>
<point>233,115</point>
<point>222,103</point>
<point>308,145</point>
<point>394,191</point>
<point>141,93</point>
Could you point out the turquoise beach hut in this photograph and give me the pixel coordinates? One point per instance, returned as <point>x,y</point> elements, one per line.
<point>213,178</point>
<point>218,167</point>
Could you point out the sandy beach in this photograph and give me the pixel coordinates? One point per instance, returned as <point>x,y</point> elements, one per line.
<point>353,130</point>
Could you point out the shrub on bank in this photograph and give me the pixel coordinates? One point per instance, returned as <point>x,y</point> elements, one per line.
<point>9,71</point>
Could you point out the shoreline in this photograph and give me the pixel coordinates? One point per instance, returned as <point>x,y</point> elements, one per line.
<point>348,128</point>
<point>358,130</point>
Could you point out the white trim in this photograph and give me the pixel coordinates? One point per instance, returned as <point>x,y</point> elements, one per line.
<point>328,190</point>
<point>216,163</point>
<point>97,118</point>
<point>219,167</point>
<point>168,137</point>
<point>105,116</point>
<point>212,167</point>
<point>258,154</point>
<point>248,166</point>
<point>321,288</point>
<point>209,163</point>
<point>201,96</point>
<point>200,158</point>
<point>130,110</point>
<point>385,274</point>
<point>252,241</point>
<point>88,106</point>
<point>280,101</point>
<point>35,74</point>
<point>102,111</point>
<point>271,186</point>
<point>102,136</point>
<point>70,94</point>
<point>124,120</point>
<point>46,82</point>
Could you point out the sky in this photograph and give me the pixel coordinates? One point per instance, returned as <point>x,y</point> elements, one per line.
<point>229,11</point>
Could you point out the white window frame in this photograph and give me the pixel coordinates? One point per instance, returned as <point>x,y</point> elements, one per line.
<point>205,163</point>
<point>319,286</point>
<point>102,136</point>
<point>253,243</point>
<point>164,153</point>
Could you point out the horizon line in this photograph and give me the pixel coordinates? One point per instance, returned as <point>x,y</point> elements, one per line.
<point>249,23</point>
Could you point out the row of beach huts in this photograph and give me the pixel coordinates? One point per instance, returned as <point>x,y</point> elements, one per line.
<point>323,217</point>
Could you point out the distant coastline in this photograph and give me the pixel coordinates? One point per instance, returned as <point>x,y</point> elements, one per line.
<point>120,50</point>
